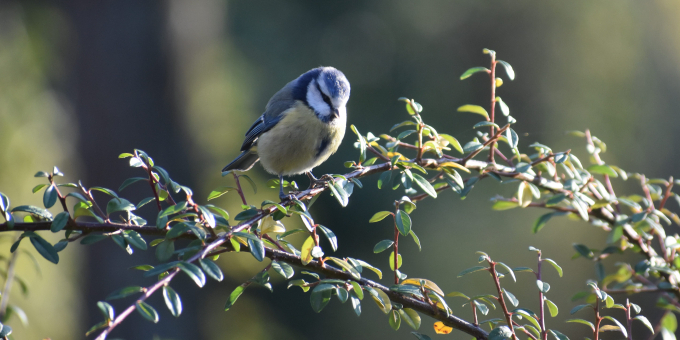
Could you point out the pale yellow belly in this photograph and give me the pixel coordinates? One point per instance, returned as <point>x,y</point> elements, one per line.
<point>292,146</point>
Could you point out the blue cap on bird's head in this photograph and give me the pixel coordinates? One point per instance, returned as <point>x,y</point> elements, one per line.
<point>335,81</point>
<point>325,90</point>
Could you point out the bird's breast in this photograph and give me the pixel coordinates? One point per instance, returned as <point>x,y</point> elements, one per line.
<point>299,141</point>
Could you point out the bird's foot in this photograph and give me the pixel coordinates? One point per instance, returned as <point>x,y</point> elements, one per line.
<point>318,182</point>
<point>288,197</point>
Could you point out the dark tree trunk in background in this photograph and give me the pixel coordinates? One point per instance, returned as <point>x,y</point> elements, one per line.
<point>121,85</point>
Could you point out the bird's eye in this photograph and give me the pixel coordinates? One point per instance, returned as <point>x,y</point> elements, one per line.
<point>324,96</point>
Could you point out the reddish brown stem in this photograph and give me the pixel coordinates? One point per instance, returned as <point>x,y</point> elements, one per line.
<point>598,319</point>
<point>541,301</point>
<point>666,194</point>
<point>396,245</point>
<point>238,187</point>
<point>501,300</point>
<point>493,104</point>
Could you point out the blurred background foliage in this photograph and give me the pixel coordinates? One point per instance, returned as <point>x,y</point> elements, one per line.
<point>81,82</point>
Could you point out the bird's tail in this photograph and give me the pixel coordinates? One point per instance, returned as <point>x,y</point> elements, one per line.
<point>244,161</point>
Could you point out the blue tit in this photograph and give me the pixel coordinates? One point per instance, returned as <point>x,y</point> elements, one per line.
<point>302,125</point>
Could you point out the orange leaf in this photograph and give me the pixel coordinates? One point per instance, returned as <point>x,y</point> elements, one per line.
<point>441,328</point>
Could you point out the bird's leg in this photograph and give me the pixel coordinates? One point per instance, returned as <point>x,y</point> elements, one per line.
<point>282,195</point>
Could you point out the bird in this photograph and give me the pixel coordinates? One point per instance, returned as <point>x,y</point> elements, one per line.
<point>302,125</point>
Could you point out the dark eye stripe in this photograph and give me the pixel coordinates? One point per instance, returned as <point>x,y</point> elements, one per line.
<point>324,96</point>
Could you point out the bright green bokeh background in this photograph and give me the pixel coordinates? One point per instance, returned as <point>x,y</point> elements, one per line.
<point>183,80</point>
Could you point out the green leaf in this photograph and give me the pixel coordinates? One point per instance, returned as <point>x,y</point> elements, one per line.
<point>59,222</point>
<point>256,248</point>
<point>330,236</point>
<point>474,109</point>
<point>394,319</point>
<point>124,292</point>
<point>41,174</point>
<point>193,272</point>
<point>339,193</point>
<point>411,317</point>
<point>164,250</point>
<point>471,270</point>
<point>172,300</point>
<point>669,322</point>
<point>485,124</point>
<point>513,300</point>
<point>403,222</point>
<point>541,221</point>
<point>219,192</point>
<point>425,185</point>
<point>552,307</point>
<point>379,216</point>
<point>6,331</point>
<point>391,261</point>
<point>415,239</point>
<point>106,191</point>
<point>558,335</point>
<point>382,246</point>
<point>234,296</point>
<point>38,187</point>
<point>92,238</point>
<point>500,333</point>
<point>134,239</point>
<point>321,296</point>
<point>542,286</point>
<point>211,269</point>
<point>50,196</point>
<point>283,269</point>
<point>106,310</point>
<point>646,322</point>
<point>504,107</point>
<point>472,71</point>
<point>129,181</point>
<point>147,311</point>
<point>555,265</point>
<point>366,265</point>
<point>208,217</point>
<point>579,307</point>
<point>508,69</point>
<point>602,170</point>
<point>555,199</point>
<point>119,204</point>
<point>45,249</point>
<point>39,212</point>
<point>587,323</point>
<point>246,215</point>
<point>622,329</point>
<point>504,205</point>
<point>421,336</point>
<point>250,181</point>
<point>512,274</point>
<point>583,250</point>
<point>453,141</point>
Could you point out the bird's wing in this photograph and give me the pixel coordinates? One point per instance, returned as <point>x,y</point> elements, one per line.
<point>277,105</point>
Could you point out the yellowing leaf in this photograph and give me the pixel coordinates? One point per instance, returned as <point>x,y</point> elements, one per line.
<point>454,165</point>
<point>499,82</point>
<point>441,328</point>
<point>306,251</point>
<point>270,226</point>
<point>428,284</point>
<point>401,157</point>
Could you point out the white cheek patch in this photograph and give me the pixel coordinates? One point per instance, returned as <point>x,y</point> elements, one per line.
<point>315,100</point>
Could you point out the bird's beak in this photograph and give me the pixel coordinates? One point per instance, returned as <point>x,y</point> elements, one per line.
<point>336,113</point>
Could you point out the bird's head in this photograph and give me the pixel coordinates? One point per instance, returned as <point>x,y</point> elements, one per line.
<point>327,92</point>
